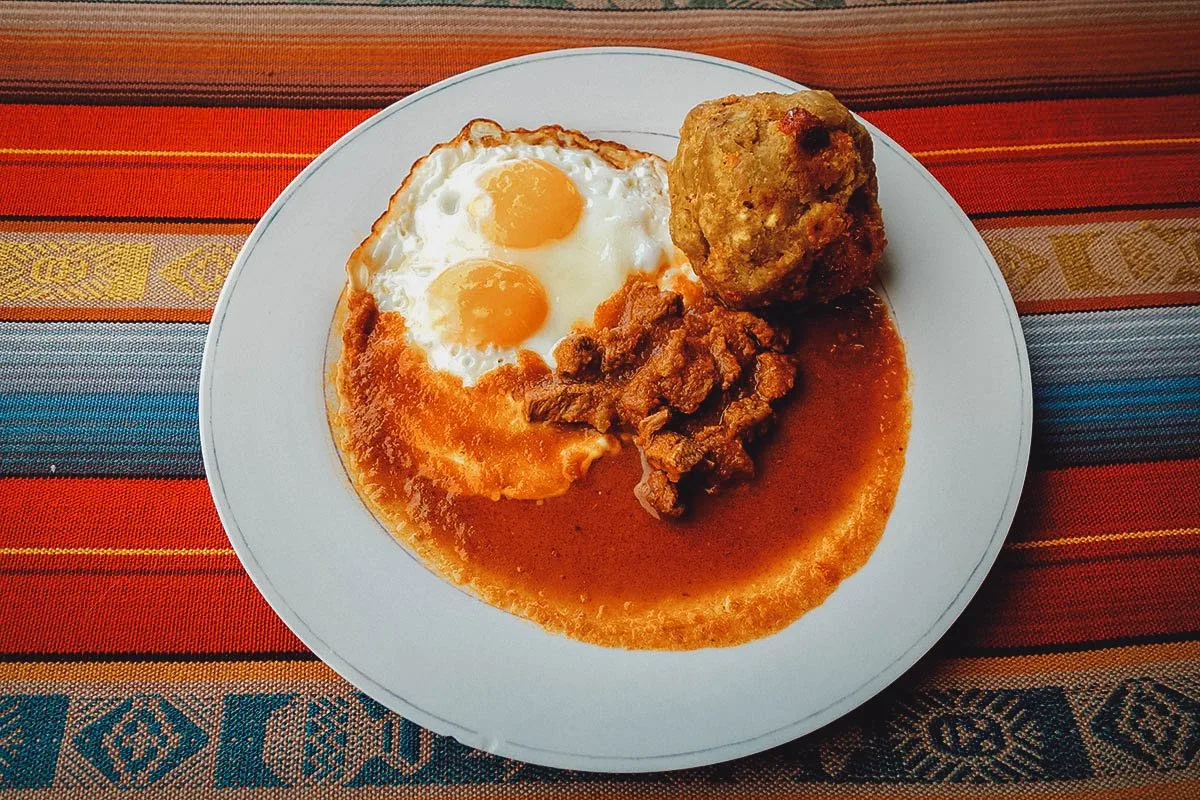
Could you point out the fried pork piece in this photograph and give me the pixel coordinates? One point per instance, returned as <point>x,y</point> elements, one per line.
<point>773,198</point>
<point>693,385</point>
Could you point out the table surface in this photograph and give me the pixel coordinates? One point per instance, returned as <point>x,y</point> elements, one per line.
<point>140,142</point>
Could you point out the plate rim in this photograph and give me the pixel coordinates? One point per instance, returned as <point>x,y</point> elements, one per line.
<point>582,761</point>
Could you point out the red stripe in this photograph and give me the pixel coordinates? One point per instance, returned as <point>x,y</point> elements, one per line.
<point>137,613</point>
<point>1078,180</point>
<point>1074,593</point>
<point>1069,603</point>
<point>1083,501</point>
<point>208,190</point>
<point>108,512</point>
<point>104,314</point>
<point>220,190</point>
<point>312,130</point>
<point>55,127</point>
<point>1032,122</point>
<point>148,512</point>
<point>1034,597</point>
<point>1019,606</point>
<point>242,189</point>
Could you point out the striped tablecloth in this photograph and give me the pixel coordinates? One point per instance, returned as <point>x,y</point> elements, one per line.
<point>139,142</point>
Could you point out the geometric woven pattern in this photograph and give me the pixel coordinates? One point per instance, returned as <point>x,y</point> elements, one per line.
<point>331,736</point>
<point>49,270</point>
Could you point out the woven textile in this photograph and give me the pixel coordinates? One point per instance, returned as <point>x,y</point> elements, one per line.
<point>139,143</point>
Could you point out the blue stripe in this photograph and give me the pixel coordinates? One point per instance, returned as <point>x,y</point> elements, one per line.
<point>1155,386</point>
<point>1048,406</point>
<point>1108,386</point>
<point>1140,414</point>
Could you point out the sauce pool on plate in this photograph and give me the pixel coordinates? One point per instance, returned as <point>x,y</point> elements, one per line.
<point>743,563</point>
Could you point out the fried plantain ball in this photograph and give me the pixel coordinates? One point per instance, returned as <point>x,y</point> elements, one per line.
<point>774,199</point>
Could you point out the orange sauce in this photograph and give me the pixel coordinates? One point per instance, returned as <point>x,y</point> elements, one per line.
<point>568,561</point>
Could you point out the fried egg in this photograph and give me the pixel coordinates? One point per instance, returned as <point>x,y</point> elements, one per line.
<point>495,245</point>
<point>502,241</point>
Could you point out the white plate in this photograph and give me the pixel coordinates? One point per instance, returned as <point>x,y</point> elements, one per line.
<point>460,667</point>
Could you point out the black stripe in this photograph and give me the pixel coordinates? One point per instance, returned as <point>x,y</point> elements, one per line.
<point>947,649</point>
<point>58,476</point>
<point>859,99</point>
<point>468,4</point>
<point>45,657</point>
<point>164,220</point>
<point>6,473</point>
<point>1050,212</point>
<point>955,650</point>
<point>171,163</point>
<point>1029,212</point>
<point>995,90</point>
<point>122,571</point>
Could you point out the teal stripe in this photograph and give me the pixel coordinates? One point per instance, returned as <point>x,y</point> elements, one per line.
<point>1154,386</point>
<point>121,434</point>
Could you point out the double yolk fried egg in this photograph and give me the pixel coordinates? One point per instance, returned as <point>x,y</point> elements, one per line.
<point>495,246</point>
<point>502,241</point>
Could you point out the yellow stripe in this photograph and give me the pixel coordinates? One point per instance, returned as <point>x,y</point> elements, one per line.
<point>26,151</point>
<point>115,551</point>
<point>67,671</point>
<point>1033,148</point>
<point>227,551</point>
<point>1102,537</point>
<point>1108,658</point>
<point>1015,148</point>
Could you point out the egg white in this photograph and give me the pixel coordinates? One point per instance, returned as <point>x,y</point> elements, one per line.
<point>623,230</point>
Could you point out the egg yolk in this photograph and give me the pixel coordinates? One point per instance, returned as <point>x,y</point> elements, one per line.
<point>481,302</point>
<point>533,202</point>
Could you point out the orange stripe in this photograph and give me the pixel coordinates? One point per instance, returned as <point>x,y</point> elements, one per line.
<point>99,314</point>
<point>116,551</point>
<point>116,226</point>
<point>195,190</point>
<point>1112,658</point>
<point>1102,303</point>
<point>123,671</point>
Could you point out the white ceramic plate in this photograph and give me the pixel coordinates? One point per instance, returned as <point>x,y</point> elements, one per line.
<point>460,667</point>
